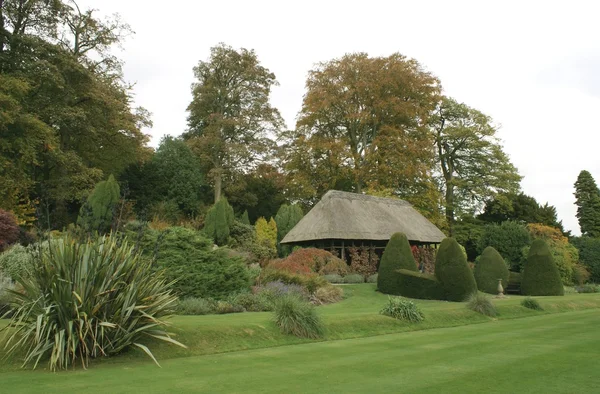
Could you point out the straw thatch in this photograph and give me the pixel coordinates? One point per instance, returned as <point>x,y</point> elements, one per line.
<point>351,216</point>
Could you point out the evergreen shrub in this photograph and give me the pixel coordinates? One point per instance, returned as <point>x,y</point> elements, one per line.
<point>397,255</point>
<point>453,272</point>
<point>489,268</point>
<point>541,276</point>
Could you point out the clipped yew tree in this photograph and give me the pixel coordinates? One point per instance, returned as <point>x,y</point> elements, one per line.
<point>489,269</point>
<point>453,272</point>
<point>541,276</point>
<point>397,255</point>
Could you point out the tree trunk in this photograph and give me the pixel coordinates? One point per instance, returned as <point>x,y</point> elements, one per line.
<point>450,206</point>
<point>218,183</point>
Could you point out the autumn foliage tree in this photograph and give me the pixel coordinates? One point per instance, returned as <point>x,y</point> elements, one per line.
<point>363,121</point>
<point>230,117</point>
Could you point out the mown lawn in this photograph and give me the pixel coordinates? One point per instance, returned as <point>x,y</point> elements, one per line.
<point>356,355</point>
<point>542,354</point>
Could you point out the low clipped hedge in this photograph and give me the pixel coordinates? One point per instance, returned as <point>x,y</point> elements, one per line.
<point>413,284</point>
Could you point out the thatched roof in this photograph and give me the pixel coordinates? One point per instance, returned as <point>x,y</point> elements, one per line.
<point>351,216</point>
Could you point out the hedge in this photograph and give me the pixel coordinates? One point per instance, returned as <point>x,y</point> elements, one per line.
<point>489,269</point>
<point>541,276</point>
<point>413,284</point>
<point>397,255</point>
<point>453,272</point>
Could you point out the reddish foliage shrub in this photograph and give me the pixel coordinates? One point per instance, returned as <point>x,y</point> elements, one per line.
<point>312,258</point>
<point>363,260</point>
<point>335,266</point>
<point>9,229</point>
<point>425,258</point>
<point>293,267</point>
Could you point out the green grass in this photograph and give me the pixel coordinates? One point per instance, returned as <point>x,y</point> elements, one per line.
<point>542,354</point>
<point>352,343</point>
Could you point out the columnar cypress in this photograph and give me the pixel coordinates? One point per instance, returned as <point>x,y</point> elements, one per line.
<point>245,219</point>
<point>453,272</point>
<point>218,221</point>
<point>397,255</point>
<point>287,217</point>
<point>541,276</point>
<point>588,204</point>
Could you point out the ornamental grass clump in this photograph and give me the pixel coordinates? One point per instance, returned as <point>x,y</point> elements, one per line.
<point>88,300</point>
<point>295,316</point>
<point>402,309</point>
<point>480,303</point>
<point>531,303</point>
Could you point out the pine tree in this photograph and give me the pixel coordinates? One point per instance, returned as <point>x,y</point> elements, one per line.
<point>287,217</point>
<point>397,255</point>
<point>97,213</point>
<point>588,204</point>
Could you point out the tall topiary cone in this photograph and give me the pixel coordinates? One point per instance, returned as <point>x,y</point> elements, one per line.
<point>541,276</point>
<point>453,272</point>
<point>489,269</point>
<point>397,255</point>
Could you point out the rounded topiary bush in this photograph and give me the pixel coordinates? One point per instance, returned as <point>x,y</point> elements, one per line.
<point>489,269</point>
<point>541,276</point>
<point>453,272</point>
<point>397,255</point>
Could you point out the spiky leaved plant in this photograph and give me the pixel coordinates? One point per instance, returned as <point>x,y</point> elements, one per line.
<point>86,300</point>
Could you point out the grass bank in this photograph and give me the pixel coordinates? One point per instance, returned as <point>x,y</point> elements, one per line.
<point>355,317</point>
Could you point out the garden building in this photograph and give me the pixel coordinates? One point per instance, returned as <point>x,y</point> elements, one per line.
<point>342,220</point>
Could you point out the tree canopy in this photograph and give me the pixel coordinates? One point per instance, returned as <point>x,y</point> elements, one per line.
<point>473,165</point>
<point>230,117</point>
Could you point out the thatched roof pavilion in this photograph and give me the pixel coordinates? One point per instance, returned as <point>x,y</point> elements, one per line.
<point>343,219</point>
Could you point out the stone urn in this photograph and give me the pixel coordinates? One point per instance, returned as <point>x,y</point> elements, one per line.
<point>500,289</point>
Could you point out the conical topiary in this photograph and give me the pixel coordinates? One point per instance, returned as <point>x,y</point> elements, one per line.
<point>541,276</point>
<point>453,272</point>
<point>397,255</point>
<point>489,269</point>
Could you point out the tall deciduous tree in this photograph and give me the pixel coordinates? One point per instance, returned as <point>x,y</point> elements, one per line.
<point>230,117</point>
<point>365,119</point>
<point>587,198</point>
<point>71,119</point>
<point>470,157</point>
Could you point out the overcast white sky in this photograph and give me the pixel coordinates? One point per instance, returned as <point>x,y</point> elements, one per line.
<point>533,66</point>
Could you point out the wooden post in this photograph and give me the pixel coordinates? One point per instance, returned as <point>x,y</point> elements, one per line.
<point>343,251</point>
